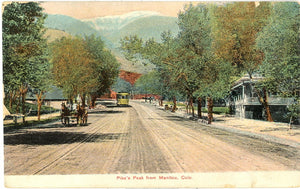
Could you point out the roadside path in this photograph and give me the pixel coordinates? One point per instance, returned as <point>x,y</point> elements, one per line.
<point>272,131</point>
<point>33,118</point>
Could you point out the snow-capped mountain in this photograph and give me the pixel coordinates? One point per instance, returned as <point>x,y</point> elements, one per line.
<point>112,29</point>
<point>117,22</point>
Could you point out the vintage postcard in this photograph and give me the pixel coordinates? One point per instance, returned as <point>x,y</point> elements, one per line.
<point>150,94</point>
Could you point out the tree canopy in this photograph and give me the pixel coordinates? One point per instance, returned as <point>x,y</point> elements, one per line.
<point>218,44</point>
<point>23,44</point>
<point>24,49</point>
<point>280,42</point>
<point>186,63</point>
<point>121,85</point>
<point>214,46</point>
<point>235,27</point>
<point>83,66</point>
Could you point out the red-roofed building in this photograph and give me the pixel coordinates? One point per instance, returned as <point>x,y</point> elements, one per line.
<point>130,77</point>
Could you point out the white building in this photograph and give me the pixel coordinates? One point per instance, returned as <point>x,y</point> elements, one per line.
<point>245,102</point>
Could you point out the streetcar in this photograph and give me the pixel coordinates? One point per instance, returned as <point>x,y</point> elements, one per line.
<point>123,99</point>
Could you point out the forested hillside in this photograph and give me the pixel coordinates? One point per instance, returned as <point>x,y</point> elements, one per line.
<point>111,29</point>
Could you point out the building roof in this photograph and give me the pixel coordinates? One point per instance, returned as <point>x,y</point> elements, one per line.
<point>246,79</point>
<point>130,77</point>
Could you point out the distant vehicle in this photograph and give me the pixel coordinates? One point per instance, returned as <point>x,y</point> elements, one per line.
<point>122,99</point>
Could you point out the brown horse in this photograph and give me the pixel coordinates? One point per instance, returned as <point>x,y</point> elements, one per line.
<point>82,115</point>
<point>65,112</point>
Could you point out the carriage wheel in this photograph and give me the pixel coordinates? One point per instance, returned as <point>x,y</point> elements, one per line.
<point>67,121</point>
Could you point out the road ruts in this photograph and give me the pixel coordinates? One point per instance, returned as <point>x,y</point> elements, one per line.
<point>288,156</point>
<point>45,157</point>
<point>136,139</point>
<point>140,153</point>
<point>194,151</point>
<point>53,158</point>
<point>99,152</point>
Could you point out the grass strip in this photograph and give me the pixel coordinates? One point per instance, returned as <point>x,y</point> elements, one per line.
<point>31,123</point>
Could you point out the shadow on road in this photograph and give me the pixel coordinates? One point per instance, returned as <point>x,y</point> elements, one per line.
<point>111,104</point>
<point>176,118</point>
<point>60,125</point>
<point>106,103</point>
<point>104,112</point>
<point>57,124</point>
<point>127,106</point>
<point>115,106</point>
<point>55,138</point>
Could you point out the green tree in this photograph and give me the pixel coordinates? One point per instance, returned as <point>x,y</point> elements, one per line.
<point>184,62</point>
<point>170,60</point>
<point>83,67</point>
<point>216,83</point>
<point>212,76</point>
<point>194,24</point>
<point>279,41</point>
<point>105,65</point>
<point>147,84</point>
<point>23,48</point>
<point>42,84</point>
<point>73,67</point>
<point>234,30</point>
<point>187,63</point>
<point>121,85</point>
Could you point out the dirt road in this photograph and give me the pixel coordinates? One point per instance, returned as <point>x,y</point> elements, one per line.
<point>139,139</point>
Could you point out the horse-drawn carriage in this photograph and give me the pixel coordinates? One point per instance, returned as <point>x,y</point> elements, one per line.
<point>78,116</point>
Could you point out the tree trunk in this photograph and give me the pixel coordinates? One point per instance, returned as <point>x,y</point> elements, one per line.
<point>18,104</point>
<point>192,106</point>
<point>199,107</point>
<point>161,101</point>
<point>23,106</point>
<point>93,101</point>
<point>39,111</point>
<point>210,106</point>
<point>23,92</point>
<point>16,97</point>
<point>89,100</point>
<point>266,105</point>
<point>174,102</point>
<point>12,96</point>
<point>40,100</point>
<point>263,100</point>
<point>10,100</point>
<point>83,100</point>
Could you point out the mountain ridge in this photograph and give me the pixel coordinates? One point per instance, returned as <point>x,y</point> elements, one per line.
<point>145,24</point>
<point>118,21</point>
